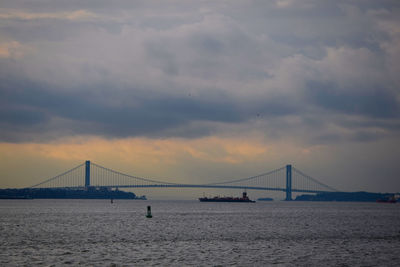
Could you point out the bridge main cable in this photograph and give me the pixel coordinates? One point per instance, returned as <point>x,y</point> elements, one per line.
<point>248,178</point>
<point>183,185</point>
<point>55,177</point>
<point>315,180</point>
<point>131,176</point>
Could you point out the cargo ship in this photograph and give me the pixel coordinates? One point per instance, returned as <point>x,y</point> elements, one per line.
<point>244,198</point>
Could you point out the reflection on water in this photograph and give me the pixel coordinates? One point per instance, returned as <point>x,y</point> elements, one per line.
<point>100,233</point>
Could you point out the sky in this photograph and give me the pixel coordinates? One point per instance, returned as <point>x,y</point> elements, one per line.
<point>201,91</point>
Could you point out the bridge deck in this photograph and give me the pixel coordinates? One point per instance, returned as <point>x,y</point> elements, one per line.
<point>201,186</point>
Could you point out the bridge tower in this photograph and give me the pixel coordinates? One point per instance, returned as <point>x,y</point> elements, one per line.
<point>87,173</point>
<point>288,182</point>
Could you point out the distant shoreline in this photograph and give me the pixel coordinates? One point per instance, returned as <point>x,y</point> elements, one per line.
<point>56,193</point>
<point>348,197</point>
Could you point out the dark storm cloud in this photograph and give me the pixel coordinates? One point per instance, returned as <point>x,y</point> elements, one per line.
<point>379,102</point>
<point>19,117</point>
<point>137,112</point>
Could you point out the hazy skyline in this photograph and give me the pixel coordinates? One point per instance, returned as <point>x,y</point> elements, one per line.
<point>204,90</point>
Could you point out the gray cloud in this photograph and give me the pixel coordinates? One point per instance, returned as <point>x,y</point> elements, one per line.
<point>123,113</point>
<point>379,102</point>
<point>322,72</point>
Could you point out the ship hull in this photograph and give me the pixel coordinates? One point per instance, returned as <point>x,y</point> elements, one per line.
<point>225,200</point>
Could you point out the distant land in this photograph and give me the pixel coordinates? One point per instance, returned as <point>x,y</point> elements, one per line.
<point>349,196</point>
<point>105,193</point>
<point>56,193</point>
<point>265,199</point>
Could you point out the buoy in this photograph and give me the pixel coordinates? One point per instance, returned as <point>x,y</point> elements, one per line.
<point>149,212</point>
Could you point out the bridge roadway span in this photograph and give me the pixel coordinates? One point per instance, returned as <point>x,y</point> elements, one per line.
<point>204,186</point>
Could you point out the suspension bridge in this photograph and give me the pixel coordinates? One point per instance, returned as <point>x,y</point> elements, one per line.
<point>287,179</point>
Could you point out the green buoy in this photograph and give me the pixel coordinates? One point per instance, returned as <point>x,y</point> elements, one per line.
<point>149,212</point>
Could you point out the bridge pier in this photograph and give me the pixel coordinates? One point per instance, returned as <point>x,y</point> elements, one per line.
<point>87,173</point>
<point>288,182</point>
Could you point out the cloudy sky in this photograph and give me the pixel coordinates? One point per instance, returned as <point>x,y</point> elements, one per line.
<point>201,90</point>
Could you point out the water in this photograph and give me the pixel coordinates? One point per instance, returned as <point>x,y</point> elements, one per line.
<point>181,233</point>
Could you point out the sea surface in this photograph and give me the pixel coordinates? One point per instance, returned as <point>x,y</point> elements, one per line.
<point>190,233</point>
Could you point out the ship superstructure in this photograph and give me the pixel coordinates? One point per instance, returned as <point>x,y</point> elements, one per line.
<point>244,198</point>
